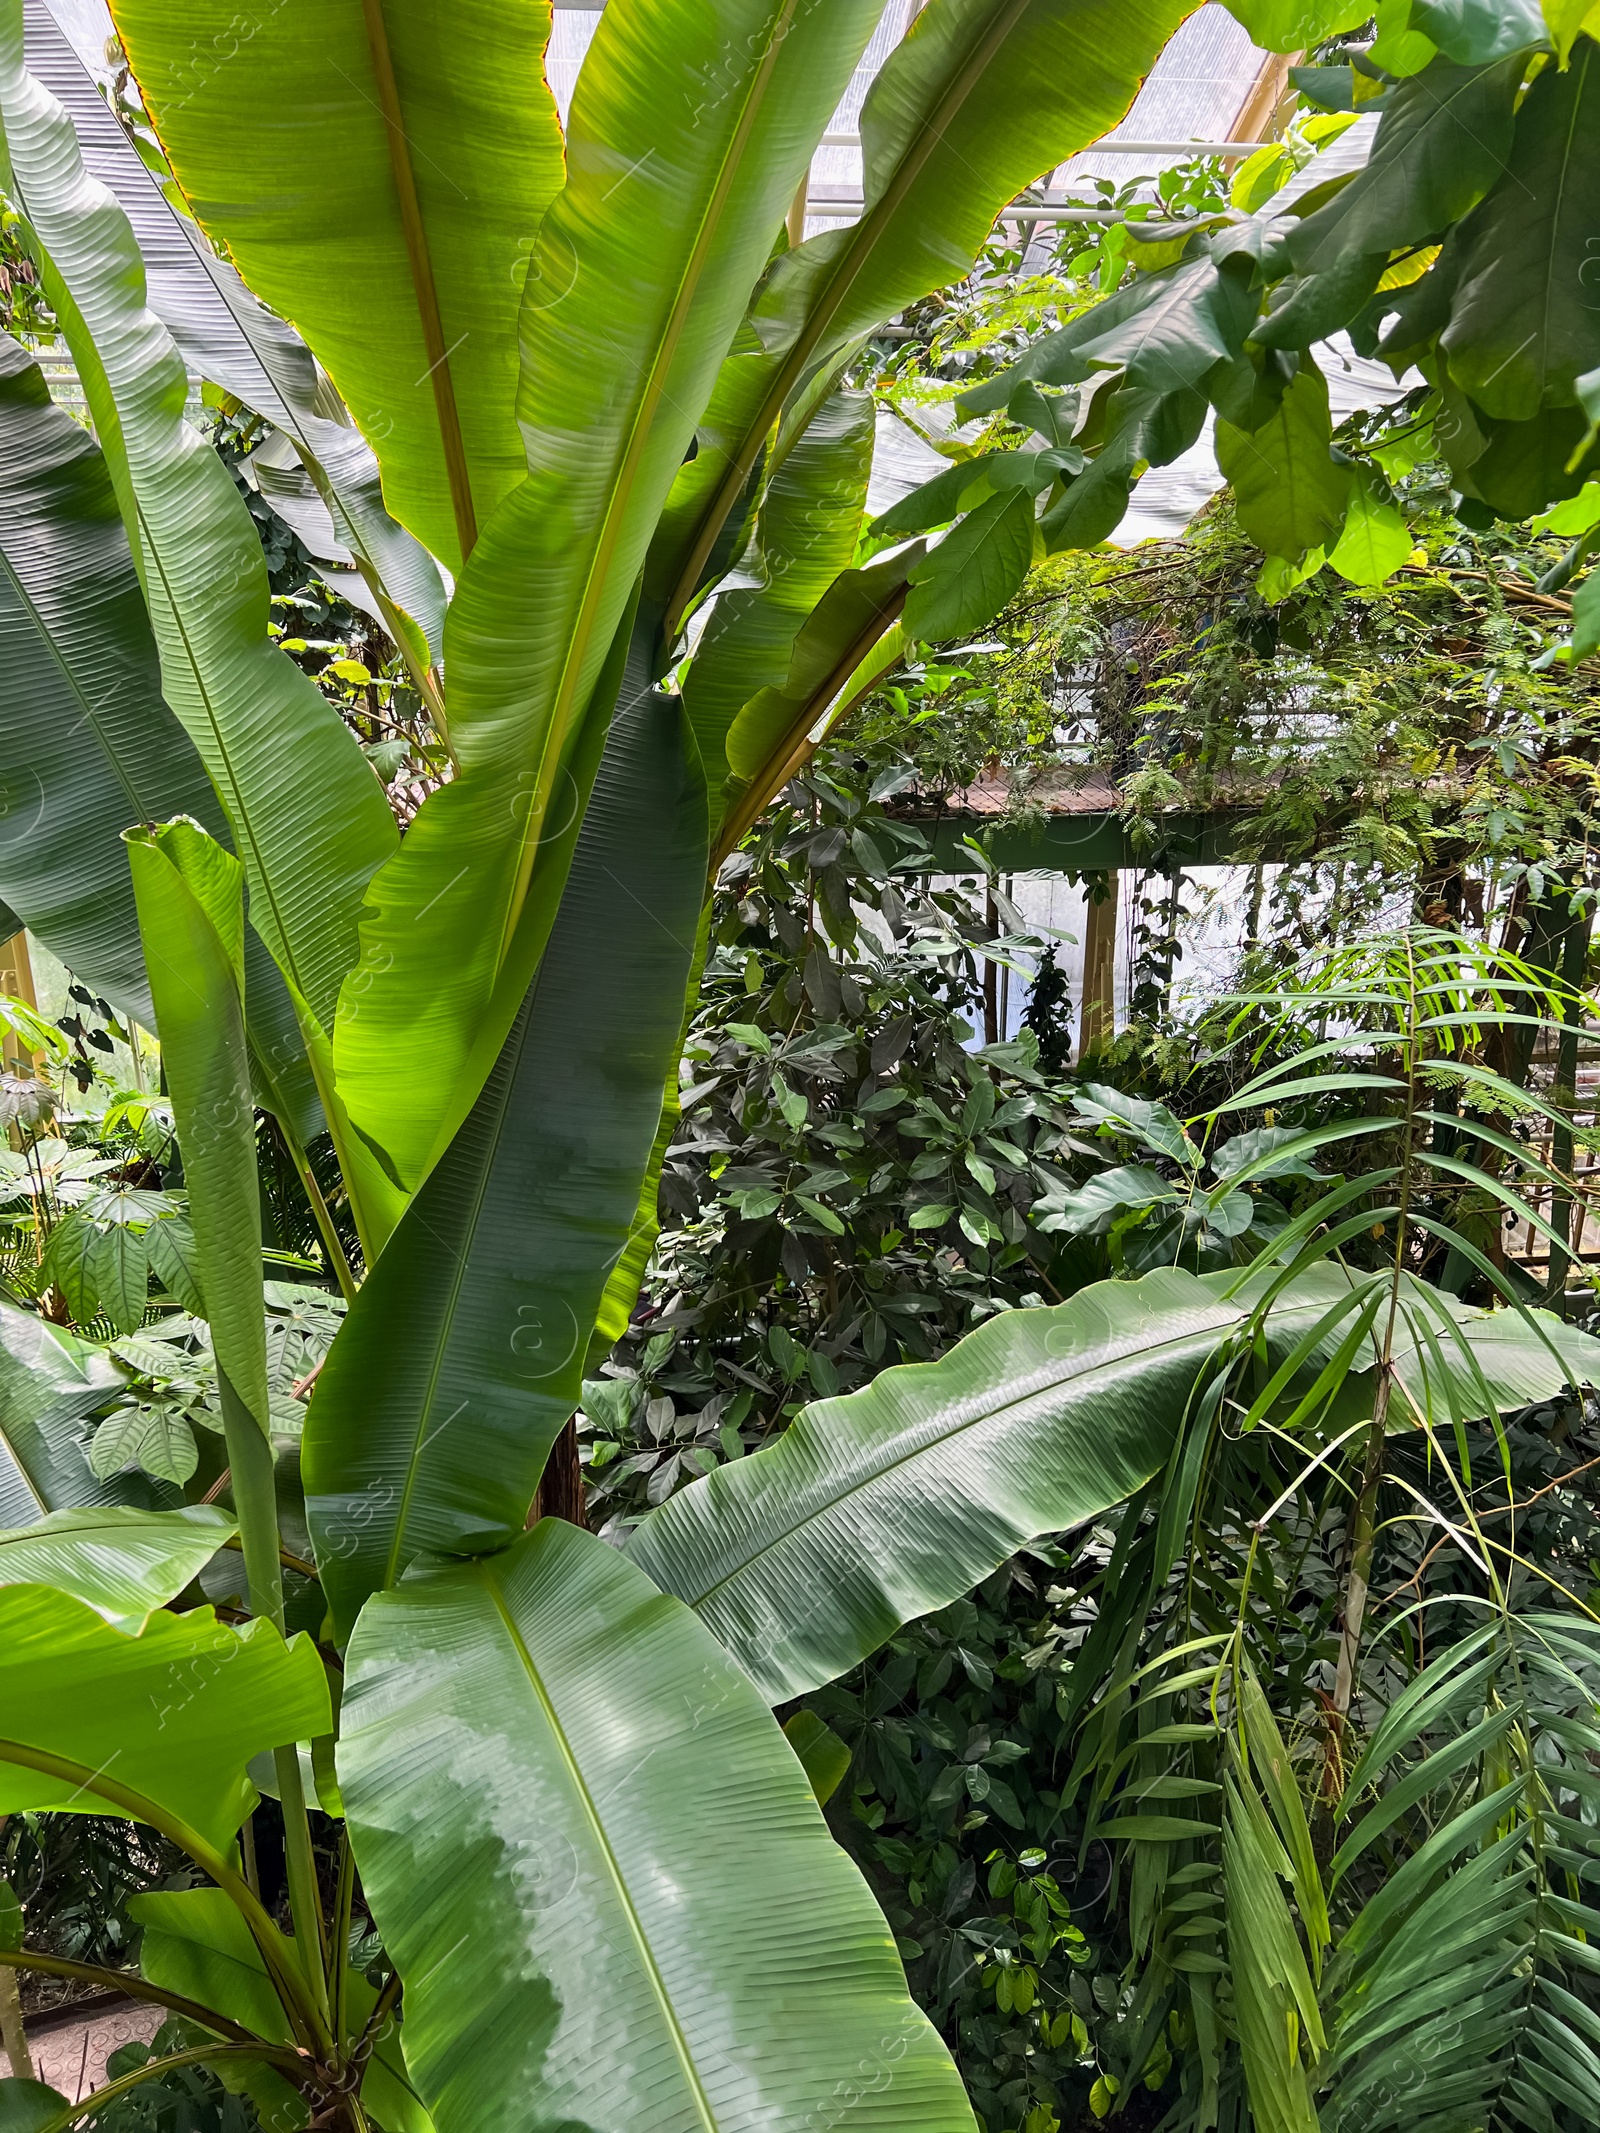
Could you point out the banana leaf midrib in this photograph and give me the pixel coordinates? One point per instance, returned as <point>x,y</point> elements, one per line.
<point>621,487</point>
<point>641,1940</point>
<point>239,818</point>
<point>1142,1357</point>
<point>423,288</point>
<point>23,1471</point>
<point>864,239</point>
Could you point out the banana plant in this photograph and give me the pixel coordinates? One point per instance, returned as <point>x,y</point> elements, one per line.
<point>611,401</point>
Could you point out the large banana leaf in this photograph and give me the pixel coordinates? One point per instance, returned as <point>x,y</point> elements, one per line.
<point>174,1714</point>
<point>805,535</point>
<point>227,336</point>
<point>191,907</point>
<point>233,340</point>
<point>463,1354</point>
<point>418,138</point>
<point>90,747</point>
<point>307,814</point>
<point>601,1871</point>
<point>627,1276</point>
<point>897,1499</point>
<point>122,1562</point>
<point>893,1501</point>
<point>50,1384</point>
<point>1293,25</point>
<point>692,125</point>
<point>978,99</point>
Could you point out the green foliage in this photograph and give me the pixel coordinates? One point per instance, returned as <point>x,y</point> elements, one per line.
<point>74,1875</point>
<point>1413,725</point>
<point>659,416</point>
<point>1233,302</point>
<point>574,1828</point>
<point>851,1186</point>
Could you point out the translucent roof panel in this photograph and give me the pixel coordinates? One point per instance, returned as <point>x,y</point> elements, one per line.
<point>570,31</point>
<point>1196,91</point>
<point>836,166</point>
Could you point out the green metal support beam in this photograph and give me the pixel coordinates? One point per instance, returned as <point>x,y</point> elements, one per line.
<point>1104,841</point>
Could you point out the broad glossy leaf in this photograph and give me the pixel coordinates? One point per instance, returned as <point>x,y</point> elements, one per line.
<point>175,1713</point>
<point>1450,1357</point>
<point>123,1562</point>
<point>1520,1358</point>
<point>196,1942</point>
<point>1525,327</point>
<point>1191,319</point>
<point>1473,31</point>
<point>1376,539</point>
<point>805,535</point>
<point>1443,140</point>
<point>1057,358</point>
<point>575,1952</point>
<point>1525,466</point>
<point>1321,305</point>
<point>1295,25</point>
<point>976,101</point>
<point>149,1435</point>
<point>1586,617</point>
<point>288,132</point>
<point>894,1500</point>
<point>90,746</point>
<point>1094,1205</point>
<point>847,621</point>
<point>693,122</point>
<point>50,1382</point>
<point>627,1276</point>
<point>1290,492</point>
<point>30,2106</point>
<point>119,1269</point>
<point>969,576</point>
<point>1140,425</point>
<point>440,1398</point>
<point>191,908</point>
<point>230,338</point>
<point>309,817</point>
<point>1153,1125</point>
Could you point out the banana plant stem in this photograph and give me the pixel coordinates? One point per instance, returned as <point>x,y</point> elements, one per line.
<point>12,2033</point>
<point>321,1214</point>
<point>256,1508</point>
<point>304,1905</point>
<point>340,1952</point>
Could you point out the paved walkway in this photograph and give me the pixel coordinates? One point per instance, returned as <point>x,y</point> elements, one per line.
<point>71,2055</point>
